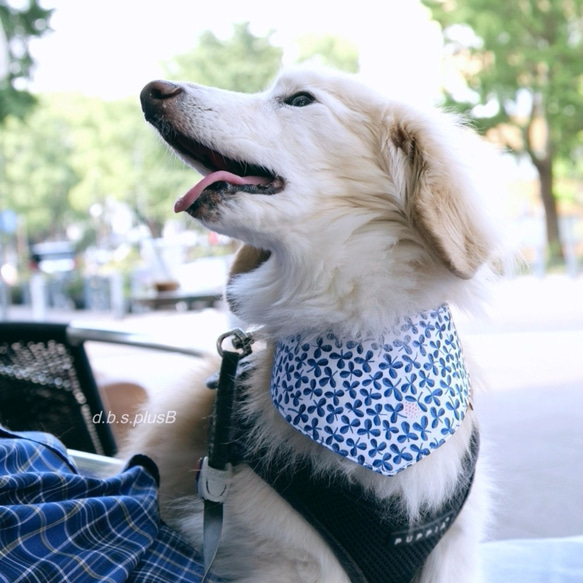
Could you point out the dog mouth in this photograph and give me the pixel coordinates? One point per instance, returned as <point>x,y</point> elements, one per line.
<point>221,175</point>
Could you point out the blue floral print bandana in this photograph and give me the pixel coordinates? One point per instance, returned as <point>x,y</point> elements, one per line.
<point>383,402</point>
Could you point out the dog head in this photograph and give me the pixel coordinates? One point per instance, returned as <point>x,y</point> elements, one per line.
<point>336,188</point>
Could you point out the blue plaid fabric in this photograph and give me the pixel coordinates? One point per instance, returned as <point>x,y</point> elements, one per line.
<point>56,525</point>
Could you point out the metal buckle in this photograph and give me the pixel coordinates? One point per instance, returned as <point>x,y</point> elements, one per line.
<point>240,340</point>
<point>213,485</point>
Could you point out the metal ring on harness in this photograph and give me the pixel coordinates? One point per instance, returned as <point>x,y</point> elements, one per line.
<point>240,340</point>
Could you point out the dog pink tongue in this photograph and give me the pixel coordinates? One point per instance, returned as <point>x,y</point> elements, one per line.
<point>187,199</point>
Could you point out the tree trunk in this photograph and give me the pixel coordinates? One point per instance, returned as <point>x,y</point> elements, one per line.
<point>546,180</point>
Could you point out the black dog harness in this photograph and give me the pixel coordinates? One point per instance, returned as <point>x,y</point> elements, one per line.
<point>374,541</point>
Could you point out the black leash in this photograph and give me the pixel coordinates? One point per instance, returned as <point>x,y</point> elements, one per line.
<point>215,472</point>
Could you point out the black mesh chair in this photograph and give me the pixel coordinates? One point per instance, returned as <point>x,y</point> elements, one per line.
<point>47,384</point>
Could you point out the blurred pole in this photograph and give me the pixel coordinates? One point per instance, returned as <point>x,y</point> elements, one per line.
<point>3,73</point>
<point>116,294</point>
<point>571,260</point>
<point>570,245</point>
<point>3,296</point>
<point>3,54</point>
<point>38,297</point>
<point>539,261</point>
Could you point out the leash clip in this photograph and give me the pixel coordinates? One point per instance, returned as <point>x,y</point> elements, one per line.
<point>240,340</point>
<point>213,484</point>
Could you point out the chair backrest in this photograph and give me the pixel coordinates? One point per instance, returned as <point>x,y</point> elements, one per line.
<point>46,384</point>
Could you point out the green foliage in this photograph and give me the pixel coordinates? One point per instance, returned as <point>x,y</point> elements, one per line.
<point>118,157</point>
<point>523,59</point>
<point>247,63</point>
<point>521,62</point>
<point>37,174</point>
<point>243,62</point>
<point>72,152</point>
<point>329,51</point>
<point>19,25</point>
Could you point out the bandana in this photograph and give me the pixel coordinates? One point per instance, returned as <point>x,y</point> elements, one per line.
<point>384,403</point>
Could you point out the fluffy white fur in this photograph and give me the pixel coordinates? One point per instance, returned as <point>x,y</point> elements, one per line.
<point>380,216</point>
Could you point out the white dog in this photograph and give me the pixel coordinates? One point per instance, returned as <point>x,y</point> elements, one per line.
<point>355,432</point>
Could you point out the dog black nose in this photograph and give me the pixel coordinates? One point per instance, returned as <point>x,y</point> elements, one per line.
<point>156,94</point>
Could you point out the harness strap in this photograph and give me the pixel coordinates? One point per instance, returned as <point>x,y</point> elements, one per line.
<point>374,542</point>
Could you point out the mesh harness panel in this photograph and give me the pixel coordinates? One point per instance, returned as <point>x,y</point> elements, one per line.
<point>375,542</point>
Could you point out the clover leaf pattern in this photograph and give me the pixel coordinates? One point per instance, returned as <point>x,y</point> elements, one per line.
<point>383,402</point>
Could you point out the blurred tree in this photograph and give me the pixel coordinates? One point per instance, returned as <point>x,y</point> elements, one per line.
<point>73,152</point>
<point>521,64</point>
<point>329,51</point>
<point>244,62</point>
<point>19,25</point>
<point>38,172</point>
<point>119,157</point>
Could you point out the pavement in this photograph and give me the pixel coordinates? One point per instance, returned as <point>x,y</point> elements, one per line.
<point>531,353</point>
<point>529,349</point>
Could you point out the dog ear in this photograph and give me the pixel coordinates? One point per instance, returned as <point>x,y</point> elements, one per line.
<point>246,259</point>
<point>440,192</point>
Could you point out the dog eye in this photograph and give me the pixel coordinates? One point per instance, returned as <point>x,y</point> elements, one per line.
<point>300,99</point>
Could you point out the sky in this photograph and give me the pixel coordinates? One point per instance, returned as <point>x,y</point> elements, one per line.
<point>111,48</point>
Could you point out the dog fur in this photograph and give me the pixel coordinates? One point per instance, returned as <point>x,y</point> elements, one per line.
<point>377,214</point>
